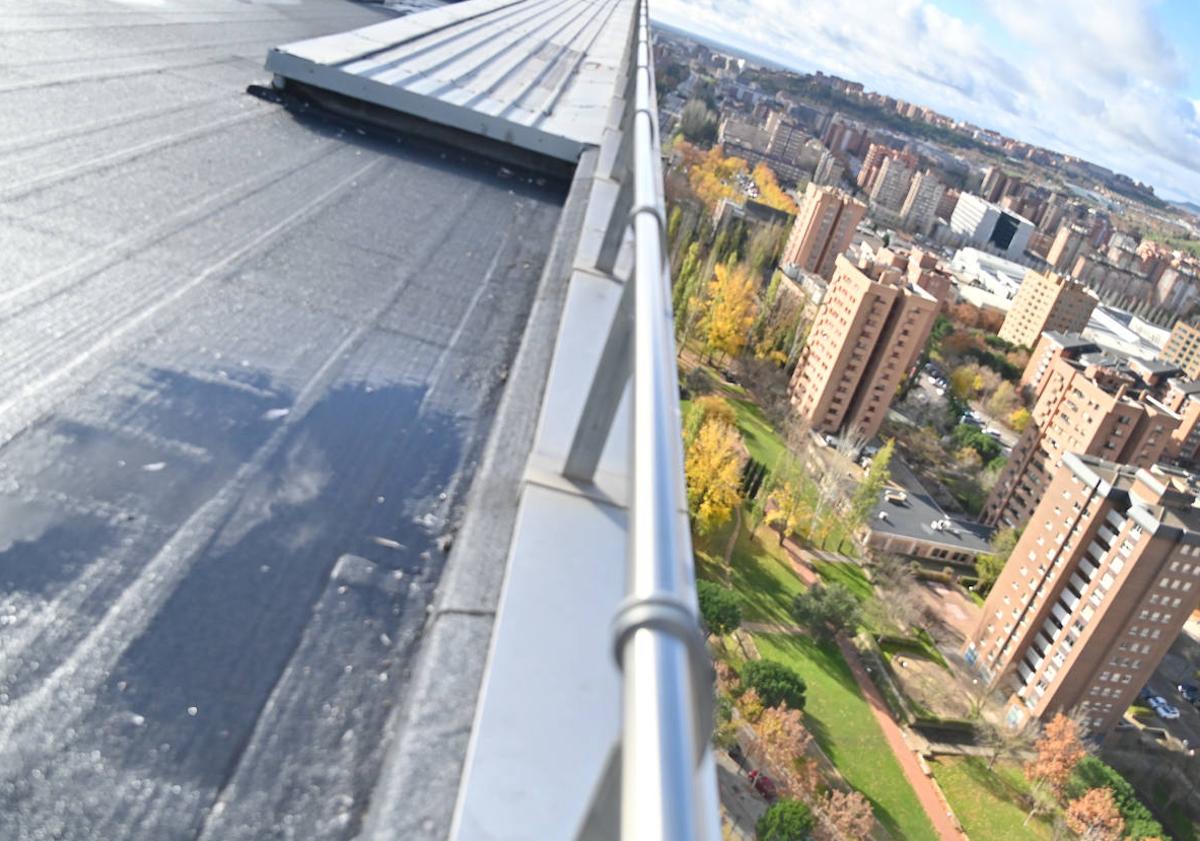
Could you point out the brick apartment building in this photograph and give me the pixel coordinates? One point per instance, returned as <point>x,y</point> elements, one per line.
<point>823,229</point>
<point>1046,302</point>
<point>1088,404</point>
<point>1095,591</point>
<point>1183,349</point>
<point>866,336</point>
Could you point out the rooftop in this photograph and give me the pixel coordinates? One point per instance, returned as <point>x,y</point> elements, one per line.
<point>914,518</point>
<point>260,359</point>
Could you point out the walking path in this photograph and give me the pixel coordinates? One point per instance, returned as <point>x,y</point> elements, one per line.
<point>931,798</point>
<point>928,794</point>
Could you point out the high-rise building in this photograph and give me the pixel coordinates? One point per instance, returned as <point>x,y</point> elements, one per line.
<point>829,170</point>
<point>1081,406</point>
<point>920,205</point>
<point>867,334</point>
<point>891,185</point>
<point>823,229</point>
<point>1097,588</point>
<point>1047,302</point>
<point>873,161</point>
<point>1068,243</point>
<point>994,182</point>
<point>1183,398</point>
<point>1183,349</point>
<point>988,225</point>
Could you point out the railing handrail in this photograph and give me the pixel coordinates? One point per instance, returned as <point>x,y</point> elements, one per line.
<point>667,775</point>
<point>666,696</point>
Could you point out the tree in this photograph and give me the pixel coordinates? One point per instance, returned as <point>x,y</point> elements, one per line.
<point>786,501</point>
<point>769,191</point>
<point>782,742</point>
<point>775,683</point>
<point>1059,749</point>
<point>685,279</point>
<point>697,122</point>
<point>719,608</point>
<point>989,566</point>
<point>966,381</point>
<point>731,311</point>
<point>751,705</point>
<point>785,820</point>
<point>827,609</point>
<point>1041,800</point>
<point>713,176</point>
<point>1003,402</point>
<point>846,816</point>
<point>713,467</point>
<point>1004,741</point>
<point>764,248</point>
<point>708,407</point>
<point>1093,773</point>
<point>1095,817</point>
<point>1018,419</point>
<point>866,496</point>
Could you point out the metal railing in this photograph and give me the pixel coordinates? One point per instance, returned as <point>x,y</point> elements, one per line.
<point>666,773</point>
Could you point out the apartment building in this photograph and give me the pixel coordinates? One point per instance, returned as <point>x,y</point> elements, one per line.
<point>865,338</point>
<point>1047,302</point>
<point>823,230</point>
<point>1095,591</point>
<point>1085,406</point>
<point>919,209</point>
<point>891,186</point>
<point>1183,398</point>
<point>1069,243</point>
<point>1051,346</point>
<point>1183,349</point>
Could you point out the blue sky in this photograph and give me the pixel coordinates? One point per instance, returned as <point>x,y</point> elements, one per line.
<point>1114,81</point>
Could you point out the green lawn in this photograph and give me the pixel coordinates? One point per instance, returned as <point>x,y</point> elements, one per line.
<point>988,803</point>
<point>764,444</point>
<point>840,720</point>
<point>849,575</point>
<point>764,583</point>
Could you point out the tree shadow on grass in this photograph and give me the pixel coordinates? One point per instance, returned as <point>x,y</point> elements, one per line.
<point>822,653</point>
<point>976,769</point>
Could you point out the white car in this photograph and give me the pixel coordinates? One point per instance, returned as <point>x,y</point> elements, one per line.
<point>1165,711</point>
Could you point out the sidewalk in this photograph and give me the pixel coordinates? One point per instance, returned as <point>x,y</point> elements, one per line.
<point>930,797</point>
<point>927,793</point>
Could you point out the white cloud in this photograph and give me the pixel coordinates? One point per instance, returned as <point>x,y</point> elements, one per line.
<point>1097,78</point>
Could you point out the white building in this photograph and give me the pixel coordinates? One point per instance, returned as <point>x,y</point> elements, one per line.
<point>990,226</point>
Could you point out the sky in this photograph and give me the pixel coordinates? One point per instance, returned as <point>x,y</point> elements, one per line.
<point>1116,82</point>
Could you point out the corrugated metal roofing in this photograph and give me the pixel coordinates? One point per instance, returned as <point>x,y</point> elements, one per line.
<point>538,74</point>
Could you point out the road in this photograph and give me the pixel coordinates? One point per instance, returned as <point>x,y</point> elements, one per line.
<point>248,361</point>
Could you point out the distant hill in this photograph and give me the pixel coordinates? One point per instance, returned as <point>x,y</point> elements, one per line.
<point>1187,207</point>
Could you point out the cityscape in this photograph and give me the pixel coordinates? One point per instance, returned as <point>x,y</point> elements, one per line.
<point>654,420</point>
<point>940,418</point>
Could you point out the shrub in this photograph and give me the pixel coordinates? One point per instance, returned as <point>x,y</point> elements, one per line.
<point>719,608</point>
<point>1093,773</point>
<point>775,683</point>
<point>786,820</point>
<point>827,608</point>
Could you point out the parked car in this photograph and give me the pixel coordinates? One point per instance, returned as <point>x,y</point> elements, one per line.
<point>1162,709</point>
<point>1146,694</point>
<point>764,785</point>
<point>1190,692</point>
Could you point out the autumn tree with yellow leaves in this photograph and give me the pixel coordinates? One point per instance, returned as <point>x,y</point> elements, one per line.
<point>713,464</point>
<point>732,307</point>
<point>713,177</point>
<point>769,191</point>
